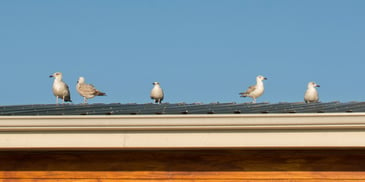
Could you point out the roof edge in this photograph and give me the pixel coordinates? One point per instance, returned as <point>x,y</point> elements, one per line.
<point>183,131</point>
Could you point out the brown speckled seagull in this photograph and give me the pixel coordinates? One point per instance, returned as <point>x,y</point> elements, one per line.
<point>87,91</point>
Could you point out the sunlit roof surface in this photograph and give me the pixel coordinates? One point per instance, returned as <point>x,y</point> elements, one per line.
<point>181,108</point>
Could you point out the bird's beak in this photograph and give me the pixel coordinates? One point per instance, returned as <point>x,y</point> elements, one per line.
<point>318,86</point>
<point>51,76</point>
<point>265,78</point>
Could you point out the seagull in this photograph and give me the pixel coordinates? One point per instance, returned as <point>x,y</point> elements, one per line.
<point>87,91</point>
<point>60,88</point>
<point>255,91</point>
<point>311,95</point>
<point>157,93</point>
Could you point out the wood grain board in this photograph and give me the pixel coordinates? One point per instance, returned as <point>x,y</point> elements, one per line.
<point>184,165</point>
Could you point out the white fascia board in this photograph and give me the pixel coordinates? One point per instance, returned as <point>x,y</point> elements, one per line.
<point>183,131</point>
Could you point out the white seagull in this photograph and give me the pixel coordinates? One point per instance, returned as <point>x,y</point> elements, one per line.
<point>60,88</point>
<point>87,91</point>
<point>255,91</point>
<point>157,93</point>
<point>311,95</point>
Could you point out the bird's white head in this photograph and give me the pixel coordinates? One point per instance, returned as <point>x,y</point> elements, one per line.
<point>57,75</point>
<point>260,77</point>
<point>312,85</point>
<point>81,80</point>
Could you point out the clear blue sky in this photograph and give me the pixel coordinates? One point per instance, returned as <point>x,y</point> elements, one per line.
<point>199,50</point>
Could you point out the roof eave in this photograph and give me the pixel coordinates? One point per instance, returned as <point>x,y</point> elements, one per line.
<point>183,131</point>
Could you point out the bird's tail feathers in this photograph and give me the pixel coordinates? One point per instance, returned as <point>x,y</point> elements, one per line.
<point>100,93</point>
<point>67,100</point>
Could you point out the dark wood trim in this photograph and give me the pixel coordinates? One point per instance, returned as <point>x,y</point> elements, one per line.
<point>185,165</point>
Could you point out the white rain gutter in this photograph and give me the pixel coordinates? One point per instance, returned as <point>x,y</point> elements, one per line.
<point>318,130</point>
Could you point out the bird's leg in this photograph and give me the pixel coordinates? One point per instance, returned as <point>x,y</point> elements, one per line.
<point>254,101</point>
<point>56,100</point>
<point>85,100</point>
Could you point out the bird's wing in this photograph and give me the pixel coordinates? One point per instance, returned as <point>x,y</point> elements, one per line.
<point>68,89</point>
<point>251,89</point>
<point>68,94</point>
<point>86,89</point>
<point>248,91</point>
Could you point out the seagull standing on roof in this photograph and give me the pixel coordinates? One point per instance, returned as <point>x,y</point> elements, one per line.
<point>87,91</point>
<point>255,91</point>
<point>157,93</point>
<point>311,95</point>
<point>60,88</point>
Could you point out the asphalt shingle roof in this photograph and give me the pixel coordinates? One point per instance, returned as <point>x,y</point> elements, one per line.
<point>181,108</point>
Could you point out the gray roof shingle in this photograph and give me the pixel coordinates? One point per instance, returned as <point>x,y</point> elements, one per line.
<point>181,108</point>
